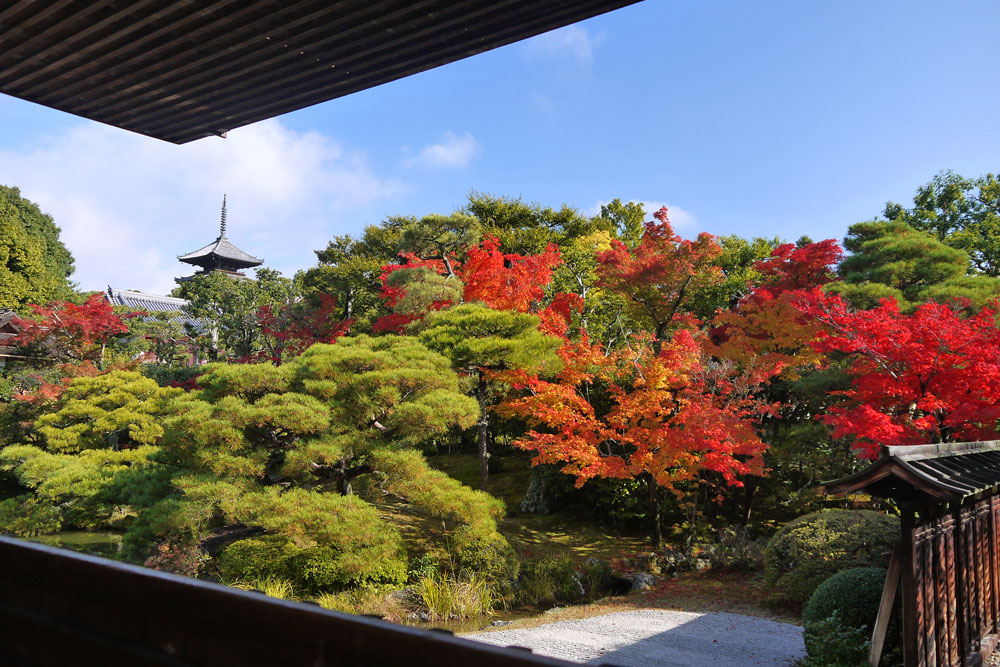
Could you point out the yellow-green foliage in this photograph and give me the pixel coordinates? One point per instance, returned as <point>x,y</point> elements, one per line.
<point>26,516</point>
<point>271,448</point>
<point>407,474</point>
<point>367,550</point>
<point>115,410</point>
<point>75,482</point>
<point>467,595</point>
<point>491,556</point>
<point>272,587</point>
<point>386,390</point>
<point>246,381</point>
<point>815,546</point>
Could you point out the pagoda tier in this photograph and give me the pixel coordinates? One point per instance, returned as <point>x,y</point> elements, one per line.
<point>220,255</point>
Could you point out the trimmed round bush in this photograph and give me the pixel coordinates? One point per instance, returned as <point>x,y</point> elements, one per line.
<point>489,555</point>
<point>854,594</point>
<point>808,550</point>
<point>840,616</point>
<point>311,570</point>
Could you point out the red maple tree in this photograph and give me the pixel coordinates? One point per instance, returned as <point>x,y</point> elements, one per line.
<point>507,281</point>
<point>291,328</point>
<point>673,414</point>
<point>67,331</point>
<point>930,376</point>
<point>661,274</point>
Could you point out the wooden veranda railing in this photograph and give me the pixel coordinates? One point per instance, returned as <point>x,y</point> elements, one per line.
<point>63,608</point>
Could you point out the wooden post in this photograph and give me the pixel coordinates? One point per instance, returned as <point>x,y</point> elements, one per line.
<point>885,606</point>
<point>910,628</point>
<point>961,594</point>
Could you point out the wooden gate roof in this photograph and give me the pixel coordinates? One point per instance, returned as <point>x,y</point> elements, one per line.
<point>180,70</point>
<point>947,472</point>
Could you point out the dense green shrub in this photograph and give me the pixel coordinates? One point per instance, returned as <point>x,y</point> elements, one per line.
<point>829,643</point>
<point>840,616</point>
<point>491,556</point>
<point>548,580</point>
<point>811,548</point>
<point>311,570</point>
<point>171,376</point>
<point>27,516</point>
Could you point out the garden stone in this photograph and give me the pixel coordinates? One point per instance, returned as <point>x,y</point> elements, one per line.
<point>702,563</point>
<point>640,581</point>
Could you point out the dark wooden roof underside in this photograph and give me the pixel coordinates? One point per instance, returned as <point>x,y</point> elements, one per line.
<point>946,472</point>
<point>180,70</point>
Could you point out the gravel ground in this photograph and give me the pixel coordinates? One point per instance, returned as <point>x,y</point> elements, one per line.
<point>658,638</point>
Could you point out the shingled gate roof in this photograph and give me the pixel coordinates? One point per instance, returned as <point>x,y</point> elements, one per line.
<point>948,472</point>
<point>180,70</point>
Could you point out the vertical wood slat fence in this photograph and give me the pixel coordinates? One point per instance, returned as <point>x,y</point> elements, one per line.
<point>949,500</point>
<point>952,605</point>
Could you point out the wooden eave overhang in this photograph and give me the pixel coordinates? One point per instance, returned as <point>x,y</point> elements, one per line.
<point>180,70</point>
<point>949,472</point>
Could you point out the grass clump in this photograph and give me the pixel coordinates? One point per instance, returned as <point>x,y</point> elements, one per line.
<point>547,581</point>
<point>272,587</point>
<point>386,603</point>
<point>448,597</point>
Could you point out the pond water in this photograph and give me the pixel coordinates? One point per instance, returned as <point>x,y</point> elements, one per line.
<point>105,544</point>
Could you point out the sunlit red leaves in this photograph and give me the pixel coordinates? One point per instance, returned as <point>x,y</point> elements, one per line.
<point>66,330</point>
<point>767,327</point>
<point>506,281</point>
<point>931,376</point>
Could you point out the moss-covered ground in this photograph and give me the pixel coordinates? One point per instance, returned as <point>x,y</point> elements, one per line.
<point>561,534</point>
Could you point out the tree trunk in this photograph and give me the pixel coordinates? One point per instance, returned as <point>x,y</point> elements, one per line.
<point>483,425</point>
<point>654,510</point>
<point>750,487</point>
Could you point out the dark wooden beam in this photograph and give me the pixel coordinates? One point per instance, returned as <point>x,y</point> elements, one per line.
<point>185,69</point>
<point>63,608</point>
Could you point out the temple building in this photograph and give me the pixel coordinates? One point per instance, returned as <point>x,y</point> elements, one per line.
<point>220,256</point>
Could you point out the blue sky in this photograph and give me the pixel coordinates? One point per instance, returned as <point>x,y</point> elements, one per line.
<point>758,119</point>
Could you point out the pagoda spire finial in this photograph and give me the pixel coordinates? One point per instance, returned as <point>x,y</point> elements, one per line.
<point>222,225</point>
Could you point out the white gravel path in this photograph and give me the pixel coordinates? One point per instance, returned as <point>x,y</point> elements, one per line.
<point>658,638</point>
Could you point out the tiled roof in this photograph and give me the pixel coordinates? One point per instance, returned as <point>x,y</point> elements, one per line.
<point>153,303</point>
<point>221,247</point>
<point>948,471</point>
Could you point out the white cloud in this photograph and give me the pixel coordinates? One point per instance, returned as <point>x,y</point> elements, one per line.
<point>680,219</point>
<point>128,205</point>
<point>573,42</point>
<point>453,151</point>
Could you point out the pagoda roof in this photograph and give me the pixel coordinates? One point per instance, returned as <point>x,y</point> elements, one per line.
<point>221,248</point>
